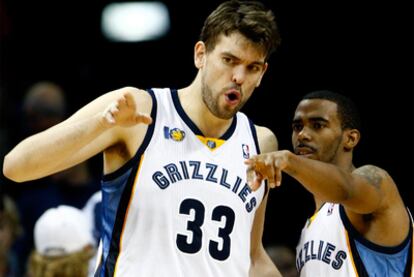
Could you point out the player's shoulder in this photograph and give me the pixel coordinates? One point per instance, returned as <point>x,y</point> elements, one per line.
<point>376,176</point>
<point>370,171</point>
<point>267,139</point>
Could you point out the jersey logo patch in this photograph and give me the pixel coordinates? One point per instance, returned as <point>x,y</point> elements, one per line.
<point>330,209</point>
<point>246,151</point>
<point>211,144</point>
<point>174,134</point>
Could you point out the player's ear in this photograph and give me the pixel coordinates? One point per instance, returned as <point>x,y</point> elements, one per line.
<point>199,54</point>
<point>265,66</point>
<point>352,137</point>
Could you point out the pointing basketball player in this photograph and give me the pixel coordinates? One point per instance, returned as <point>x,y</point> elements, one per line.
<point>361,226</point>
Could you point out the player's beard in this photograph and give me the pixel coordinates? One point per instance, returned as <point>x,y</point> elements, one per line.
<point>213,105</point>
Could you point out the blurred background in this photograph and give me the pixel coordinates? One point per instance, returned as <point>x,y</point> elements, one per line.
<point>363,49</point>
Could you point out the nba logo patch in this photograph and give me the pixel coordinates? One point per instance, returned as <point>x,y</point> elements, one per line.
<point>246,151</point>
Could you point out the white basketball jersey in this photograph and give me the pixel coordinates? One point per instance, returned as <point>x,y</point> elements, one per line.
<point>331,247</point>
<point>181,206</point>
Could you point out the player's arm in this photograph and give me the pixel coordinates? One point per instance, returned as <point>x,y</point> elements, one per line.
<point>95,127</point>
<point>362,190</point>
<point>261,264</point>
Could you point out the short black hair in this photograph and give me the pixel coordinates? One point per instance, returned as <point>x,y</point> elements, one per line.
<point>347,111</point>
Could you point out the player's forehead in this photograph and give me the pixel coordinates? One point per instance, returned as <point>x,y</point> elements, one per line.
<point>316,109</point>
<point>241,47</point>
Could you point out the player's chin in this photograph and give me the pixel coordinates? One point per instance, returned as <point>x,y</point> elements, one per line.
<point>228,111</point>
<point>227,114</point>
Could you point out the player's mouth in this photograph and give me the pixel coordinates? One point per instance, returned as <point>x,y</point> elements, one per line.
<point>232,97</point>
<point>304,150</point>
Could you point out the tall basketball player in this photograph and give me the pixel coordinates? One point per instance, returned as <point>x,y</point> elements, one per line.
<point>175,197</point>
<point>361,226</point>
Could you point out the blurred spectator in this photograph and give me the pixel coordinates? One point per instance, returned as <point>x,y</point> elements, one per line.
<point>44,105</point>
<point>284,259</point>
<point>10,230</point>
<point>63,244</point>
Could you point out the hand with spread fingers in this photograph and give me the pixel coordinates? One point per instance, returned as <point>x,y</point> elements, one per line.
<point>123,112</point>
<point>268,167</point>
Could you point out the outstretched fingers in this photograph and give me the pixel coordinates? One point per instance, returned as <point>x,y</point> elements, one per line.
<point>143,118</point>
<point>123,112</point>
<point>278,177</point>
<point>129,100</point>
<point>139,117</point>
<point>110,112</point>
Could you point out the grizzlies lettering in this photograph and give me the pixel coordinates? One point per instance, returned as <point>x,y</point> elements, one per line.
<point>175,172</point>
<point>321,251</point>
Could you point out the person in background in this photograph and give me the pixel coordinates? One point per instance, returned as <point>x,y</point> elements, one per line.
<point>174,188</point>
<point>43,106</point>
<point>64,244</point>
<point>361,226</point>
<point>10,231</point>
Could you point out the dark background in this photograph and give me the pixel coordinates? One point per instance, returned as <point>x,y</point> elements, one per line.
<point>364,50</point>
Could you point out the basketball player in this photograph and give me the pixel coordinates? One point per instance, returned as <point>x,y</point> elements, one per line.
<point>175,199</point>
<point>361,226</point>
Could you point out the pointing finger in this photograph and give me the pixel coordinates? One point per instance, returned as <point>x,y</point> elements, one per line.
<point>129,100</point>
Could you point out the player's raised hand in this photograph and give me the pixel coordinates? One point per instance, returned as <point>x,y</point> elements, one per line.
<point>124,112</point>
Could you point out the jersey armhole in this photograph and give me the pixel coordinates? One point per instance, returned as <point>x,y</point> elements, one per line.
<point>143,146</point>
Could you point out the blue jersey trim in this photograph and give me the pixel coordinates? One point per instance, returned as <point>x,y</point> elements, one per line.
<point>357,236</point>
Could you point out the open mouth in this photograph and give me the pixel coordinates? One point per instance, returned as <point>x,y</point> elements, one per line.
<point>233,97</point>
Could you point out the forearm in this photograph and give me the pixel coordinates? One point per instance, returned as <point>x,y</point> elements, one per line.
<point>261,264</point>
<point>52,150</point>
<point>327,182</point>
